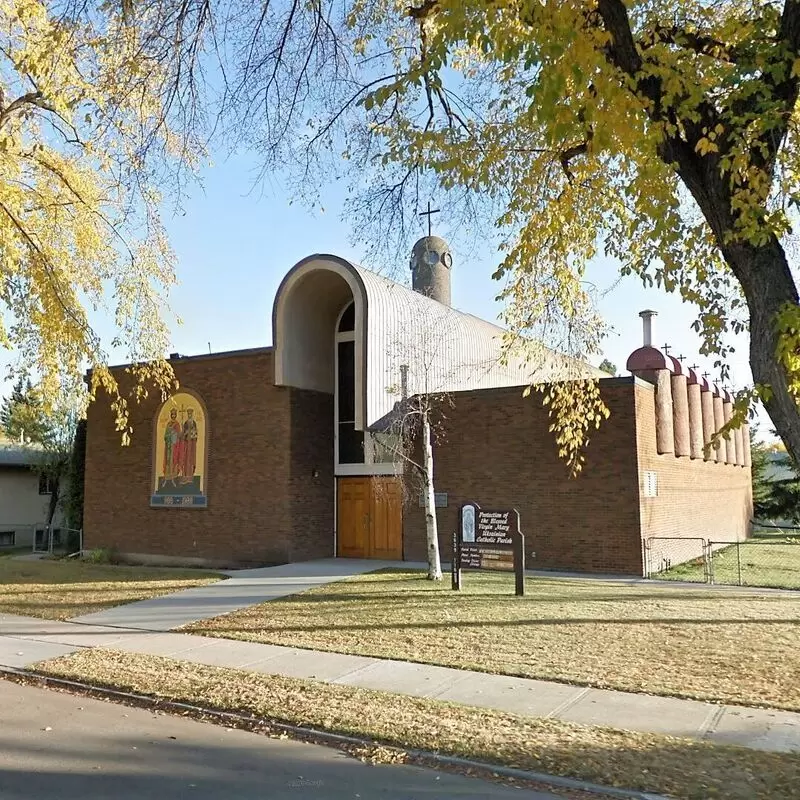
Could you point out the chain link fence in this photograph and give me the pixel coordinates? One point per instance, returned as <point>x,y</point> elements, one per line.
<point>54,539</point>
<point>768,561</point>
<point>676,559</point>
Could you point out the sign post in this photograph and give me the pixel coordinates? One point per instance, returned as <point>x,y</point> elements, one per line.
<point>455,561</point>
<point>489,539</point>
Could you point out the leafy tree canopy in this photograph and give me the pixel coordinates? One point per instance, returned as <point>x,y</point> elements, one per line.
<point>608,366</point>
<point>662,134</point>
<point>92,126</point>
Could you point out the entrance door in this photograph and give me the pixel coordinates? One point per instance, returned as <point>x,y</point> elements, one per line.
<point>386,518</point>
<point>370,518</point>
<point>353,528</point>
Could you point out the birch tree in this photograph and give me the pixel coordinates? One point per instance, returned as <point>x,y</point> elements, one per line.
<point>409,435</point>
<point>423,368</point>
<point>428,363</point>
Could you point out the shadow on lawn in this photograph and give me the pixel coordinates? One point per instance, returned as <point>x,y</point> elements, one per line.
<point>270,626</point>
<point>440,594</point>
<point>20,579</point>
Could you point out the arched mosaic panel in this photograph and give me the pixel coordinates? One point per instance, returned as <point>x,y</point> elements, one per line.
<point>180,450</point>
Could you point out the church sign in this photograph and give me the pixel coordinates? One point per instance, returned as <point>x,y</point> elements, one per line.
<point>489,539</point>
<point>179,453</point>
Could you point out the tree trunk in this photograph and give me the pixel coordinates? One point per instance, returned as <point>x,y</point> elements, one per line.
<point>54,497</point>
<point>764,275</point>
<point>431,528</point>
<point>51,510</point>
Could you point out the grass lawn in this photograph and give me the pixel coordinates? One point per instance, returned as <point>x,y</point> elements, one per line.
<point>682,768</point>
<point>66,589</point>
<point>728,646</point>
<point>768,561</point>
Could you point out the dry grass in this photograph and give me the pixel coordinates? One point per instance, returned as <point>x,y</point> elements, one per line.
<point>66,589</point>
<point>680,767</point>
<point>717,645</point>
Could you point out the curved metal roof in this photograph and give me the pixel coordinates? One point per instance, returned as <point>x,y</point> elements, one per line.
<point>445,350</point>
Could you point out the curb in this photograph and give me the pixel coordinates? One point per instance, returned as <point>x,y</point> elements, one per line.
<point>320,736</point>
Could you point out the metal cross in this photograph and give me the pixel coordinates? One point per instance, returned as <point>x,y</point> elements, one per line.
<point>429,213</point>
<point>680,358</point>
<point>706,375</point>
<point>666,348</point>
<point>694,367</point>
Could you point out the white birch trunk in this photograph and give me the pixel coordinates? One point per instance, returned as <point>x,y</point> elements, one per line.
<point>431,528</point>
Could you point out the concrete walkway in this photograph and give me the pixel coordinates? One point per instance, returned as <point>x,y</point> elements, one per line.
<point>245,587</point>
<point>143,628</point>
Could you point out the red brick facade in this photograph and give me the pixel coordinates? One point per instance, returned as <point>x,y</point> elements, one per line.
<point>499,453</point>
<point>270,471</point>
<point>270,482</point>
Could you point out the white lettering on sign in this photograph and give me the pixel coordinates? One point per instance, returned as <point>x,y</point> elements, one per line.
<point>494,528</point>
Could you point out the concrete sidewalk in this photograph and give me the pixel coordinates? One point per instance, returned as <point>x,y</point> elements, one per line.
<point>144,627</point>
<point>244,588</point>
<point>25,641</point>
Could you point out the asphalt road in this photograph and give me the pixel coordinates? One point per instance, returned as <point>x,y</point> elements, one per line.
<point>57,746</point>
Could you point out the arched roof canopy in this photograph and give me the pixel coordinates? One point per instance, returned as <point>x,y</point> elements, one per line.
<point>304,316</point>
<point>445,350</point>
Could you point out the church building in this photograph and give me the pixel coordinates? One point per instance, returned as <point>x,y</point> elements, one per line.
<point>287,453</point>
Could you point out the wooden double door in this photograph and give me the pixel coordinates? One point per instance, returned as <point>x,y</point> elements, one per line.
<point>370,518</point>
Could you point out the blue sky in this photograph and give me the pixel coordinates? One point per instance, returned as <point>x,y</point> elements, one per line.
<point>234,244</point>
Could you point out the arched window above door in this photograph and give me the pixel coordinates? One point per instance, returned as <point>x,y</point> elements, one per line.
<point>347,321</point>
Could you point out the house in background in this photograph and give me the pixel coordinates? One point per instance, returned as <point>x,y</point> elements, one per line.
<point>24,496</point>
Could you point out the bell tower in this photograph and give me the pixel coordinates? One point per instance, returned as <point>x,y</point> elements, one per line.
<point>431,263</point>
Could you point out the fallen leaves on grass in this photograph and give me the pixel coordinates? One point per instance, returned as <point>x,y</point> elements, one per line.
<point>67,589</point>
<point>724,646</point>
<point>680,767</point>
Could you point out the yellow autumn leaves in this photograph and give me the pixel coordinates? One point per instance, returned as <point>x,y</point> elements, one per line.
<point>81,122</point>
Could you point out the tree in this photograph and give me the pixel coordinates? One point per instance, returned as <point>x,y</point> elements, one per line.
<point>11,419</point>
<point>416,424</point>
<point>93,126</point>
<point>663,134</point>
<point>49,428</point>
<point>422,357</point>
<point>608,367</point>
<point>775,496</point>
<point>762,483</point>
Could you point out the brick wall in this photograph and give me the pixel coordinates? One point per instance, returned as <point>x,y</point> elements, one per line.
<point>271,485</point>
<point>696,498</point>
<point>499,453</point>
<point>311,482</point>
<point>260,464</point>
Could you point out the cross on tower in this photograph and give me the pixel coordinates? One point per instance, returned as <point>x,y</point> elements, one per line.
<point>706,375</point>
<point>694,367</point>
<point>666,348</point>
<point>429,213</point>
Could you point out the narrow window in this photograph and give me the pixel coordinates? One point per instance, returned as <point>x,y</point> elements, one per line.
<point>348,320</point>
<point>351,441</point>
